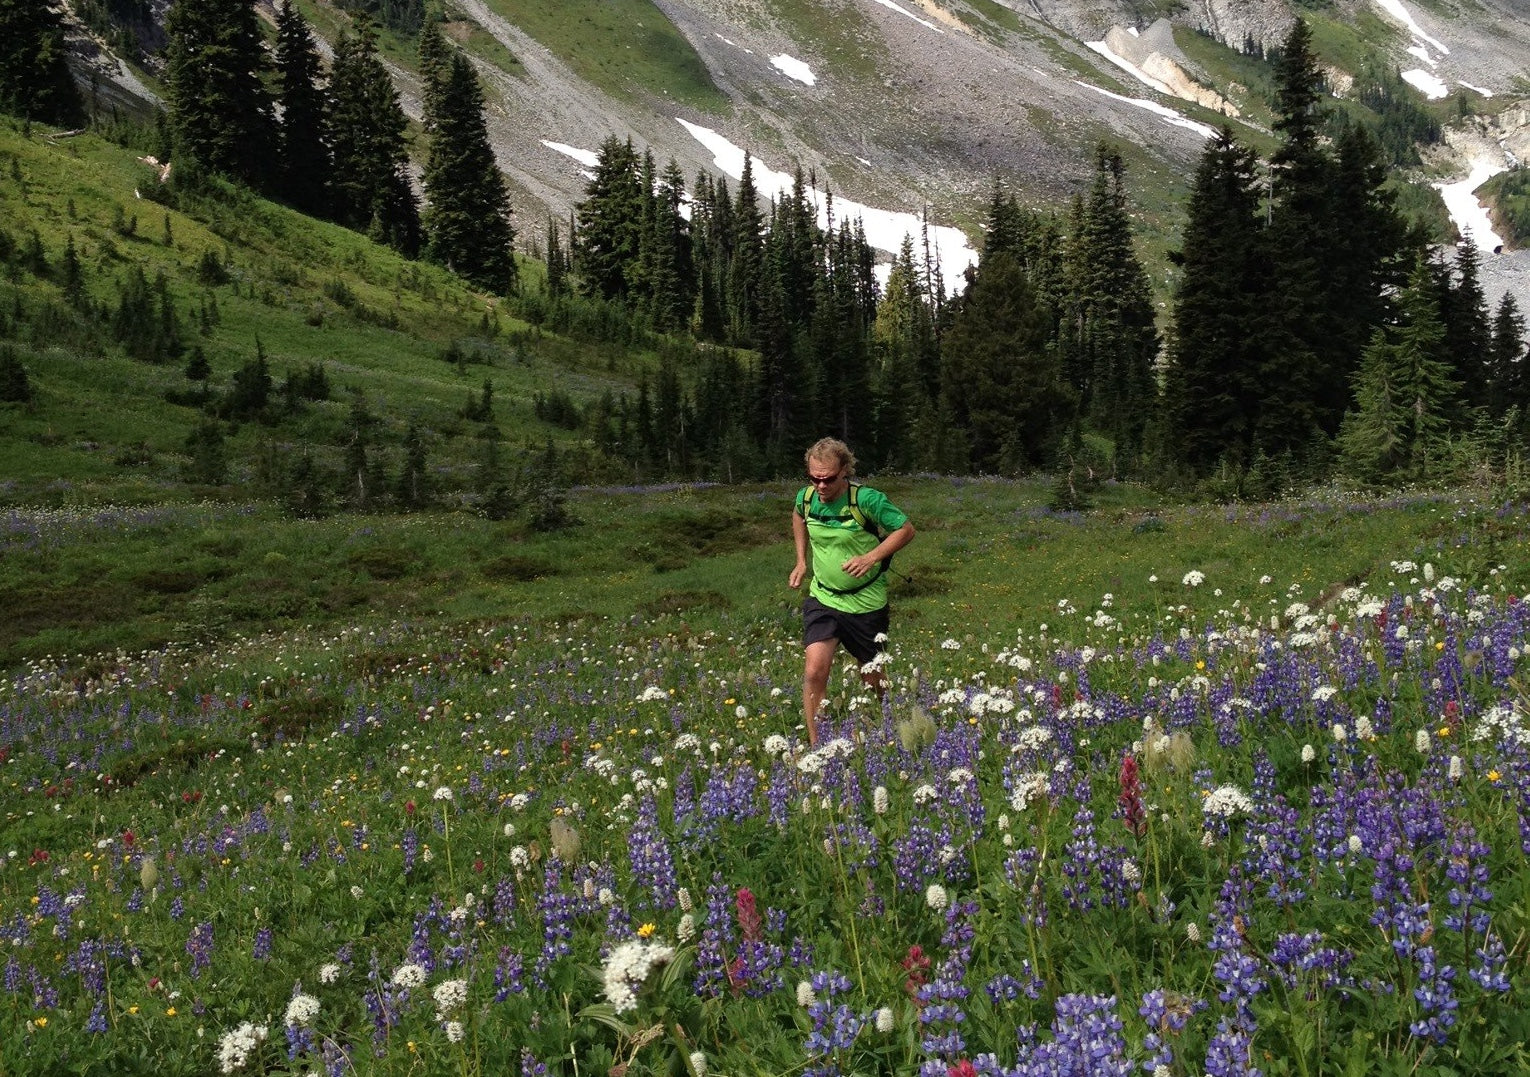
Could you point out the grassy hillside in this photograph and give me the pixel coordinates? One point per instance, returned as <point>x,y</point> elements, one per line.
<point>245,279</point>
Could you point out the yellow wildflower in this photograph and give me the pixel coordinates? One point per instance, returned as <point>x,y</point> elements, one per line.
<point>646,931</point>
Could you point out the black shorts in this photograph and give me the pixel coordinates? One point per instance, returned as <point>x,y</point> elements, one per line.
<point>857,631</point>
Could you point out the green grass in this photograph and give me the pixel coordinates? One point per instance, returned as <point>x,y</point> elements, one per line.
<point>628,49</point>
<point>81,580</point>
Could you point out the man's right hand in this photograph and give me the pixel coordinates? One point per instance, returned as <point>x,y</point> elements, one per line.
<point>798,574</point>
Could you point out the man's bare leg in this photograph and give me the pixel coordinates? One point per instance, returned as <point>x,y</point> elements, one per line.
<point>818,660</point>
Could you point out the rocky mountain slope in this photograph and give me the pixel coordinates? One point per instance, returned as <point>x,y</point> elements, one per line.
<point>910,109</point>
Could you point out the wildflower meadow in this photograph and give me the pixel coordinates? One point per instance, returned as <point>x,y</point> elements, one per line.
<point>1233,823</point>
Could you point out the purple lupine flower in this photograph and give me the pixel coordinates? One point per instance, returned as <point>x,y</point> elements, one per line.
<point>263,939</point>
<point>653,863</point>
<point>199,946</point>
<point>509,974</point>
<point>835,1025</point>
<point>1488,972</point>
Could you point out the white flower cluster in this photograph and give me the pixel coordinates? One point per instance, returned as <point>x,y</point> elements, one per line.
<point>652,694</point>
<point>935,897</point>
<point>236,1047</point>
<point>1225,801</point>
<point>409,976</point>
<point>627,968</point>
<point>1033,738</point>
<point>813,762</point>
<point>329,973</point>
<point>776,746</point>
<point>950,645</point>
<point>925,794</point>
<point>1502,721</point>
<point>449,995</point>
<point>1194,578</point>
<point>301,1011</point>
<point>1029,787</point>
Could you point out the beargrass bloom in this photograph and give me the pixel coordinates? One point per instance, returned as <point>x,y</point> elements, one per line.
<point>627,969</point>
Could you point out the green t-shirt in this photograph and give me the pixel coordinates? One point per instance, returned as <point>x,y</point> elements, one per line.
<point>835,537</point>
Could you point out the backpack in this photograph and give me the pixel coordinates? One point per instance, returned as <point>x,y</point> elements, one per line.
<point>866,524</point>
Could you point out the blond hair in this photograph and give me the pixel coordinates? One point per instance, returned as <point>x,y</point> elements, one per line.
<point>831,449</point>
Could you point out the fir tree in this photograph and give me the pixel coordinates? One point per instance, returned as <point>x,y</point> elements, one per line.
<point>467,226</point>
<point>901,333</point>
<point>34,78</point>
<point>302,133</point>
<point>1404,394</point>
<point>220,110</point>
<point>370,183</point>
<point>557,264</point>
<point>610,222</point>
<point>1000,381</point>
<point>1468,334</point>
<point>1112,318</point>
<point>412,490</point>
<point>15,385</point>
<point>746,266</point>
<point>209,463</point>
<point>671,268</point>
<point>1212,387</point>
<point>1507,386</point>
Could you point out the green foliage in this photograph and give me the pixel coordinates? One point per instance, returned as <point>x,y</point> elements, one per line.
<point>467,226</point>
<point>221,113</point>
<point>34,75</point>
<point>15,385</point>
<point>1508,193</point>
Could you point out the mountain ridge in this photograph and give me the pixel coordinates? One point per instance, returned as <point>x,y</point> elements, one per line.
<point>922,105</point>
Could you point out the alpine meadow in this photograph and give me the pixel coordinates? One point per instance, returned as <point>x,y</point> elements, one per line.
<point>400,421</point>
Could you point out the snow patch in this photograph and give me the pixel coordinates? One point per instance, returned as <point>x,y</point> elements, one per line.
<point>793,68</point>
<point>1431,86</point>
<point>1422,54</point>
<point>910,14</point>
<point>1130,68</point>
<point>885,229</point>
<point>735,44</point>
<point>1395,9</point>
<point>1470,215</point>
<point>1168,114</point>
<point>1477,89</point>
<point>588,158</point>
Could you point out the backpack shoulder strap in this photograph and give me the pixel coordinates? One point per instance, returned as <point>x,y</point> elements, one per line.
<point>866,524</point>
<point>806,497</point>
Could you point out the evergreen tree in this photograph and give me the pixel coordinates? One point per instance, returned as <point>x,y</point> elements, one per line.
<point>220,110</point>
<point>468,223</point>
<point>1000,381</point>
<point>557,263</point>
<point>671,267</point>
<point>209,462</point>
<point>72,277</point>
<point>412,491</point>
<point>1212,386</point>
<point>15,385</point>
<point>34,77</point>
<point>1468,334</point>
<point>370,183</point>
<point>746,266</point>
<point>1404,394</point>
<point>1112,316</point>
<point>1507,385</point>
<point>901,333</point>
<point>610,222</point>
<point>303,150</point>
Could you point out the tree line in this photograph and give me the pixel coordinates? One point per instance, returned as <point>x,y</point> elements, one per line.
<point>1313,329</point>
<point>333,143</point>
<point>1310,331</point>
